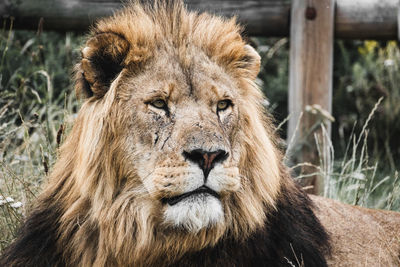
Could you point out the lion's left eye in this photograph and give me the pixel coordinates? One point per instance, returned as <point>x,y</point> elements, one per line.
<point>159,103</point>
<point>223,104</point>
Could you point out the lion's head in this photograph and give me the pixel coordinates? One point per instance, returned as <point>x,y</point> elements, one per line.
<point>171,149</point>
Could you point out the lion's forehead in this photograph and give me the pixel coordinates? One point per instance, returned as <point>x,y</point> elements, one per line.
<point>196,78</point>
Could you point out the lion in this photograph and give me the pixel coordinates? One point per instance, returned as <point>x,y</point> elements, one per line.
<point>173,161</point>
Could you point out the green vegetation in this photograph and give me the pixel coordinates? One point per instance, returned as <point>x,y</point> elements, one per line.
<point>37,105</point>
<point>36,101</point>
<point>360,82</point>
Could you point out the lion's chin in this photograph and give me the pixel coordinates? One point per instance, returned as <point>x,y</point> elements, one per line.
<point>195,213</point>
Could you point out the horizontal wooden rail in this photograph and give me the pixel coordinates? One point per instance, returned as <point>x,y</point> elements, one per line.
<point>355,19</point>
<point>269,17</point>
<point>366,19</point>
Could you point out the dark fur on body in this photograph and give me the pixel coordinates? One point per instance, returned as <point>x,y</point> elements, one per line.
<point>292,235</point>
<point>36,244</point>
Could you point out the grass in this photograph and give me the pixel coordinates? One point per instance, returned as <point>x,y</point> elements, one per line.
<point>355,178</point>
<point>37,107</point>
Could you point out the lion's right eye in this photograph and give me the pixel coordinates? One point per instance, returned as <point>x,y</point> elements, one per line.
<point>159,103</point>
<point>223,104</point>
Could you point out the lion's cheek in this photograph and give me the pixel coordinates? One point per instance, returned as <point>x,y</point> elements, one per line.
<point>229,125</point>
<point>224,180</point>
<point>171,180</point>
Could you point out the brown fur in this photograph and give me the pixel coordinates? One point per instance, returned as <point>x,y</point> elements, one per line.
<point>96,193</point>
<point>123,156</point>
<point>360,236</point>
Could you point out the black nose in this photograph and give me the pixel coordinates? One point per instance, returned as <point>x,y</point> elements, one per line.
<point>206,159</point>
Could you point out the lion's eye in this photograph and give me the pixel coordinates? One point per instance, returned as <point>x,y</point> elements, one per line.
<point>159,103</point>
<point>223,104</point>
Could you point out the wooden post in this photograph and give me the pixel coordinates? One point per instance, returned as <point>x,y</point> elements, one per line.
<point>398,21</point>
<point>310,80</point>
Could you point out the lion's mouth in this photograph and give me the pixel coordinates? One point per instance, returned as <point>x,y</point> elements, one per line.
<point>201,190</point>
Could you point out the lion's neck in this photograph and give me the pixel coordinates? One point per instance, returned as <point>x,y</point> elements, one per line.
<point>291,234</point>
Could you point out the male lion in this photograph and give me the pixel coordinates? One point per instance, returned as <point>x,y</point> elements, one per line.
<point>172,162</point>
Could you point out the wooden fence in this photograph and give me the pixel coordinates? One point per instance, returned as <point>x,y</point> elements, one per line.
<point>311,25</point>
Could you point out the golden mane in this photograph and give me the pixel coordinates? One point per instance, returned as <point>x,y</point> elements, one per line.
<point>97,210</point>
<point>86,179</point>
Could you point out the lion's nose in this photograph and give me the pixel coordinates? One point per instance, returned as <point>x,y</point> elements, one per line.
<point>206,159</point>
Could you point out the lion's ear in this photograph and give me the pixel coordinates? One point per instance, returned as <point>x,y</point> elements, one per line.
<point>252,61</point>
<point>102,60</point>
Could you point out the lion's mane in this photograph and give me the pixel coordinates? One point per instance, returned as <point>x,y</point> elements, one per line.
<point>95,212</point>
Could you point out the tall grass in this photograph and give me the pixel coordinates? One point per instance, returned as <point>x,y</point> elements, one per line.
<point>369,72</point>
<point>35,107</point>
<point>356,179</point>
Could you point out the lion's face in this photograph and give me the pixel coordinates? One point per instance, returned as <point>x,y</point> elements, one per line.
<point>182,137</point>
<point>171,148</point>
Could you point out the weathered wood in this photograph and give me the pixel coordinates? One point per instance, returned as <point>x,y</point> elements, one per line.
<point>363,19</point>
<point>268,17</point>
<point>398,22</point>
<point>310,76</point>
<point>355,19</point>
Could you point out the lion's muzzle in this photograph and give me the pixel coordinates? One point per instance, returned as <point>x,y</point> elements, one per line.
<point>201,190</point>
<point>206,159</point>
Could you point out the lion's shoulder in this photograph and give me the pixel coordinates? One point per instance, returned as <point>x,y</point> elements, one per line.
<point>359,235</point>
